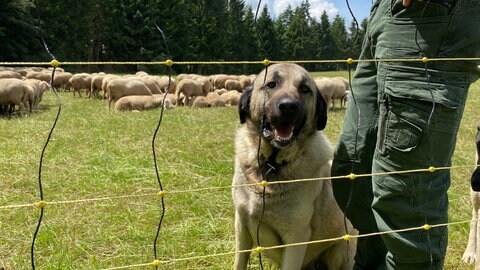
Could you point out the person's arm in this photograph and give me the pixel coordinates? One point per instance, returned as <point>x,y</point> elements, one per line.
<point>406,3</point>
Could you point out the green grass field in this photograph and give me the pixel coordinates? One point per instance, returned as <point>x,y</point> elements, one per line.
<point>97,153</point>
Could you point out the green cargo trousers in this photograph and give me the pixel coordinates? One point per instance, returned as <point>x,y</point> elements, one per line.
<point>405,115</point>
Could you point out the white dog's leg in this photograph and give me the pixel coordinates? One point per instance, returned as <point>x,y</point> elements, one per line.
<point>470,254</point>
<point>475,215</point>
<point>243,241</point>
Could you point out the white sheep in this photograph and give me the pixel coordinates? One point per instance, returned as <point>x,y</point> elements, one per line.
<point>14,92</point>
<point>215,100</point>
<point>36,91</point>
<point>232,84</point>
<point>120,87</point>
<point>141,103</point>
<point>231,97</point>
<point>81,81</point>
<point>189,88</point>
<point>341,86</point>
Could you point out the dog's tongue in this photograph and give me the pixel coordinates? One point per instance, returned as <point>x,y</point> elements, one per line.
<point>283,132</point>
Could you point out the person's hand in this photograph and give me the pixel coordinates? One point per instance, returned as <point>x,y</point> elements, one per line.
<point>406,3</point>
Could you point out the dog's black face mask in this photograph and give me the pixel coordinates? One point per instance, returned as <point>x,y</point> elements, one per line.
<point>284,120</point>
<point>321,111</point>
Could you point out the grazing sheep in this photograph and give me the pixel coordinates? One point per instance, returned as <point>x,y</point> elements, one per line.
<point>231,84</point>
<point>200,102</point>
<point>81,81</point>
<point>181,76</point>
<point>39,75</point>
<point>163,81</point>
<point>221,91</point>
<point>245,82</point>
<point>96,85</point>
<point>120,87</point>
<point>206,85</point>
<point>341,85</point>
<point>141,73</point>
<point>326,86</point>
<point>189,88</point>
<point>231,97</point>
<point>150,82</point>
<point>14,92</point>
<point>105,82</point>
<point>61,80</point>
<point>215,100</point>
<point>36,92</point>
<point>219,81</point>
<point>172,97</point>
<point>5,74</point>
<point>141,103</point>
<point>344,100</point>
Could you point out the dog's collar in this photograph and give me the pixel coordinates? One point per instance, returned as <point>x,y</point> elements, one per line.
<point>269,167</point>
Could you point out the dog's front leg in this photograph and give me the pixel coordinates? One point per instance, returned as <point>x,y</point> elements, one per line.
<point>243,241</point>
<point>470,254</point>
<point>294,256</point>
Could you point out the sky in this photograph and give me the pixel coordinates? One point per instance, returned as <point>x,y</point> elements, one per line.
<point>360,8</point>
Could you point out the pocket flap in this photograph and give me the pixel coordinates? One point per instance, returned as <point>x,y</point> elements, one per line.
<point>447,88</point>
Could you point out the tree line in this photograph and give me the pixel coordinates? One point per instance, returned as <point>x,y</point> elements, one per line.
<point>194,30</point>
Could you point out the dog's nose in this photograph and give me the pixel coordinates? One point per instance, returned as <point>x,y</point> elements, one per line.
<point>288,105</point>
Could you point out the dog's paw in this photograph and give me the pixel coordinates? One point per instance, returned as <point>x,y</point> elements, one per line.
<point>475,180</point>
<point>469,257</point>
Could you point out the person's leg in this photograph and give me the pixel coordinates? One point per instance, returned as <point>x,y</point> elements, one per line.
<point>419,119</point>
<point>354,154</point>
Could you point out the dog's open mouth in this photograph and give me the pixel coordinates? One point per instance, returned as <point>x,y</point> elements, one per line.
<point>280,135</point>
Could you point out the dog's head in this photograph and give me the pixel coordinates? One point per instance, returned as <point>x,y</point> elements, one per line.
<point>286,98</point>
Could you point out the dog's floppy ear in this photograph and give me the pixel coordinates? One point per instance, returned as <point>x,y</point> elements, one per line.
<point>244,104</point>
<point>321,111</point>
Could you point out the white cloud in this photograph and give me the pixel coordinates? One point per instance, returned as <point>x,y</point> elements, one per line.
<point>317,7</point>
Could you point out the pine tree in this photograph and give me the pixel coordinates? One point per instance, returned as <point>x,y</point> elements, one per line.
<point>18,33</point>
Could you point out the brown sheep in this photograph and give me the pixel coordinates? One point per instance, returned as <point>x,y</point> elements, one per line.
<point>118,88</point>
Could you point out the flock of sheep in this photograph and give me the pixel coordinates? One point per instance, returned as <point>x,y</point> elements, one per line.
<point>21,89</point>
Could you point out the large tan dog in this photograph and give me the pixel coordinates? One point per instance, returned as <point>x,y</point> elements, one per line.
<point>292,112</point>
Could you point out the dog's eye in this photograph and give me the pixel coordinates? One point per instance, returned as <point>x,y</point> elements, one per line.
<point>271,84</point>
<point>304,89</point>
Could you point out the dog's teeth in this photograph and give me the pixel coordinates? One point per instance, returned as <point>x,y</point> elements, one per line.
<point>283,133</point>
<point>267,133</point>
